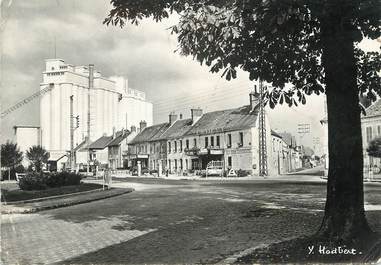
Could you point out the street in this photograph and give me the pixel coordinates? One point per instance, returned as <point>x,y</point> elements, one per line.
<point>172,221</point>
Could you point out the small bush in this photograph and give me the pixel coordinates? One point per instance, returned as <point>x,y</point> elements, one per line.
<point>243,173</point>
<point>154,171</point>
<point>33,181</point>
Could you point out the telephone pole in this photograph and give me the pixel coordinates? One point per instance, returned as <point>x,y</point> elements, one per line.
<point>263,170</point>
<point>71,133</point>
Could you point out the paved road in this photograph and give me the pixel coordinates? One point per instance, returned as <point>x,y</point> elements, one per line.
<point>166,221</point>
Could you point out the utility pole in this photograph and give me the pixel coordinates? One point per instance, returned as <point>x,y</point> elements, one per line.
<point>91,86</point>
<point>263,170</point>
<point>71,133</point>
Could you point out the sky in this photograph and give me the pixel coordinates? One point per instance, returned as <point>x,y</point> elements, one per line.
<point>35,30</point>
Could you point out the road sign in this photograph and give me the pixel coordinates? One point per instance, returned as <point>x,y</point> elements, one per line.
<point>232,173</point>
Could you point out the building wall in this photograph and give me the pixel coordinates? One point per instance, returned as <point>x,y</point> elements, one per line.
<point>111,106</point>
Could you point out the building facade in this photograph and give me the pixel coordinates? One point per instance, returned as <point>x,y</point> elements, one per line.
<point>110,102</point>
<point>227,137</point>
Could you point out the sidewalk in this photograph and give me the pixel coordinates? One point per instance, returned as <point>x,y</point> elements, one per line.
<point>60,201</point>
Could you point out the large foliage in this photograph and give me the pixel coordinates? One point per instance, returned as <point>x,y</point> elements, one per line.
<point>279,41</point>
<point>38,156</point>
<point>11,155</point>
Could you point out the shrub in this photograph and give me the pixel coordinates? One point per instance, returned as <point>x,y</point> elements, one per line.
<point>40,181</point>
<point>33,181</point>
<point>243,173</point>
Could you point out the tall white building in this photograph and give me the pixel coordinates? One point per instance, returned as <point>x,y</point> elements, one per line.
<point>113,105</point>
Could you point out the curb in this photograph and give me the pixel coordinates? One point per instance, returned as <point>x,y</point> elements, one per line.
<point>50,197</point>
<point>33,209</point>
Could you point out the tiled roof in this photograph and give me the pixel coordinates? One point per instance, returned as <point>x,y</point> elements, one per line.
<point>119,137</point>
<point>178,129</point>
<point>276,134</point>
<point>225,120</point>
<point>373,110</point>
<point>100,143</point>
<point>150,133</point>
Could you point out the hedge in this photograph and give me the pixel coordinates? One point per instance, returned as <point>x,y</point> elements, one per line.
<point>41,181</point>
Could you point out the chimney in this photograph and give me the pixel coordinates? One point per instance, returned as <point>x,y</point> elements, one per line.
<point>196,114</point>
<point>113,132</point>
<point>254,98</point>
<point>143,124</point>
<point>172,118</point>
<point>133,129</point>
<point>181,116</point>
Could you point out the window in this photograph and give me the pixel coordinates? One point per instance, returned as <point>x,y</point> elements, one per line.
<point>181,145</point>
<point>175,146</point>
<point>212,140</point>
<point>229,161</point>
<point>169,147</point>
<point>379,130</point>
<point>240,143</point>
<point>195,142</point>
<point>368,134</point>
<point>169,164</point>
<point>229,140</point>
<point>175,164</point>
<point>186,164</point>
<point>187,144</point>
<point>181,163</point>
<point>206,142</point>
<point>218,140</point>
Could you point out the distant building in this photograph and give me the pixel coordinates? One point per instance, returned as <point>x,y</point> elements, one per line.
<point>371,128</point>
<point>26,137</point>
<point>112,105</point>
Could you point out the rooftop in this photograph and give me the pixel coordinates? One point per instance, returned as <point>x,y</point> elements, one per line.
<point>373,110</point>
<point>224,121</point>
<point>100,143</point>
<point>150,133</point>
<point>178,129</point>
<point>119,137</point>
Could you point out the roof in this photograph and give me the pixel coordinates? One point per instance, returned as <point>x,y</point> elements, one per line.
<point>225,120</point>
<point>80,145</point>
<point>150,133</point>
<point>373,110</point>
<point>274,133</point>
<point>119,137</point>
<point>100,143</point>
<point>178,129</point>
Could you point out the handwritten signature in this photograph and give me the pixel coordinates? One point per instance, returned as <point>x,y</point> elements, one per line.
<point>339,250</point>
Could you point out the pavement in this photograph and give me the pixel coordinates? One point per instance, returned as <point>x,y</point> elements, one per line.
<point>170,221</point>
<point>46,203</point>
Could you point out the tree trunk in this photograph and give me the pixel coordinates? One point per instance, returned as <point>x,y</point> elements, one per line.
<point>344,218</point>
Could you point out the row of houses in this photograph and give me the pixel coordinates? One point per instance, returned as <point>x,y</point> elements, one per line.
<point>228,138</point>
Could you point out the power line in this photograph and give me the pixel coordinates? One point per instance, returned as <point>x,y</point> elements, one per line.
<point>175,100</point>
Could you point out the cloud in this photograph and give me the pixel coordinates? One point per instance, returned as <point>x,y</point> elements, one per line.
<point>144,54</point>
